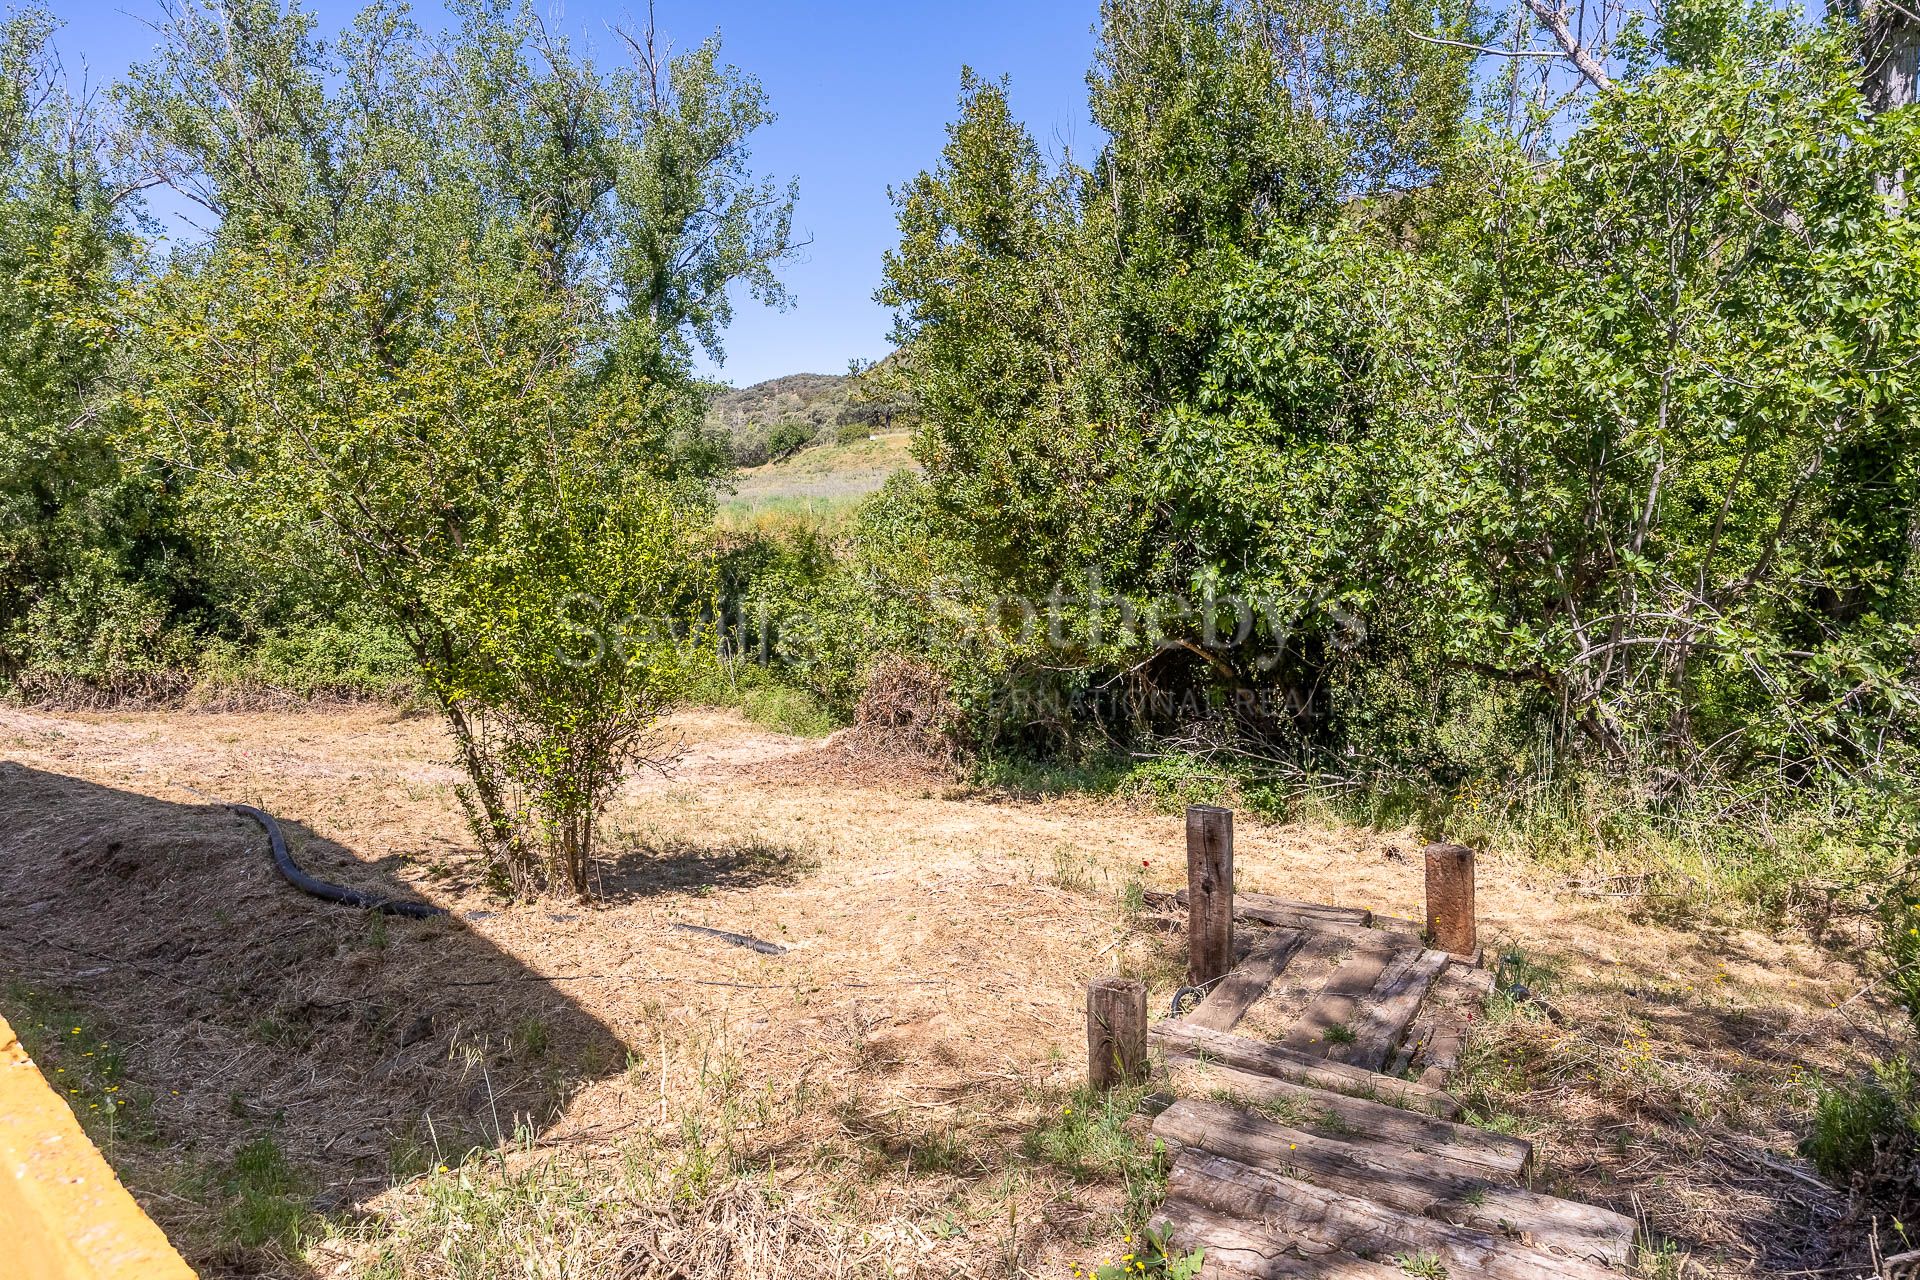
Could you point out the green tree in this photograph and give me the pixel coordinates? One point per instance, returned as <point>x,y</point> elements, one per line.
<point>1683,510</point>
<point>1623,439</point>
<point>88,567</point>
<point>1632,436</point>
<point>438,350</point>
<point>1056,320</point>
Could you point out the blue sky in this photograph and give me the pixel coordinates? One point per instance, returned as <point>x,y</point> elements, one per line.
<point>864,91</point>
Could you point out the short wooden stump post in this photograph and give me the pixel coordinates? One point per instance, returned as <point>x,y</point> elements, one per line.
<point>1209,894</point>
<point>1450,920</point>
<point>1116,1032</point>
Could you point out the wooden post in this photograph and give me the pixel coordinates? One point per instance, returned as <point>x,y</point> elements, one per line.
<point>1209,894</point>
<point>1450,920</point>
<point>1116,1032</point>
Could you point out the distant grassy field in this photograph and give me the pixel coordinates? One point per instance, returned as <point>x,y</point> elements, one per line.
<point>821,484</point>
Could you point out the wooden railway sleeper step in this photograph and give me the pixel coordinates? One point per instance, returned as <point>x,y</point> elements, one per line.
<point>1299,1217</point>
<point>1400,1178</point>
<point>1235,1252</point>
<point>1465,1150</point>
<point>1179,1036</point>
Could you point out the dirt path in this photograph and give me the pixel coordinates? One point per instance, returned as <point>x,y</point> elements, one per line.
<point>938,942</point>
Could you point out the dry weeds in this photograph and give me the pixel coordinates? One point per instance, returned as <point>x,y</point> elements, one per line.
<point>613,1096</point>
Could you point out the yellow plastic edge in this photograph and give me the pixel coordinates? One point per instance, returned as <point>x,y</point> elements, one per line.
<point>63,1213</point>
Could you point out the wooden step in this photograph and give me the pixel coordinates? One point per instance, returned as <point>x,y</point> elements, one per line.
<point>1180,1036</point>
<point>1261,908</point>
<point>1338,1003</point>
<point>1399,1178</point>
<point>1314,910</point>
<point>1472,1152</point>
<point>1248,981</point>
<point>1289,913</point>
<point>1386,1010</point>
<point>1233,1252</point>
<point>1244,902</point>
<point>1309,1219</point>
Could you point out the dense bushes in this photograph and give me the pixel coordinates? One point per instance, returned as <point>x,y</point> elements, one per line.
<point>1558,492</point>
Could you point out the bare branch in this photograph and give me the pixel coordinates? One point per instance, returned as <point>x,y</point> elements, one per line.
<point>1494,50</point>
<point>1555,21</point>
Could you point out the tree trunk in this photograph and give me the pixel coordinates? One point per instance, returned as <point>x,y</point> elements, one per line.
<point>499,835</point>
<point>1889,52</point>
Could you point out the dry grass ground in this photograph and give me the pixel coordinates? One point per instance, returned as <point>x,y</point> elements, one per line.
<point>550,1089</point>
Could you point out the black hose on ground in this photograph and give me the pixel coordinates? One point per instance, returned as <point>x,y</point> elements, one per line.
<point>288,868</point>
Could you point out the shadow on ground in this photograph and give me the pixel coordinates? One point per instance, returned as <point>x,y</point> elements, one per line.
<point>649,868</point>
<point>246,1053</point>
<point>1669,1101</point>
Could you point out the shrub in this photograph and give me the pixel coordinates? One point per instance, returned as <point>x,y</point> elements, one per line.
<point>1866,1135</point>
<point>787,439</point>
<point>766,697</point>
<point>343,658</point>
<point>1900,935</point>
<point>95,637</point>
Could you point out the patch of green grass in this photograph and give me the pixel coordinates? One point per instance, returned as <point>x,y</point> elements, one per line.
<point>270,1030</point>
<point>941,1152</point>
<point>265,1196</point>
<point>789,710</point>
<point>83,1065</point>
<point>1900,942</point>
<point>1856,1124</point>
<point>830,513</point>
<point>1279,1110</point>
<point>1330,1122</point>
<point>530,1037</point>
<point>1085,1134</point>
<point>1660,1260</point>
<point>1427,1266</point>
<point>764,699</point>
<point>1339,1033</point>
<point>408,1155</point>
<point>1537,973</point>
<point>1073,870</point>
<point>1027,776</point>
<point>1168,783</point>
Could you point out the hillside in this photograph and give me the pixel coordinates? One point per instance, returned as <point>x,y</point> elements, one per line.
<point>777,418</point>
<point>816,398</point>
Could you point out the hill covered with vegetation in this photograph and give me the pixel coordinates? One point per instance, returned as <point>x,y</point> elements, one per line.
<point>775,419</point>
